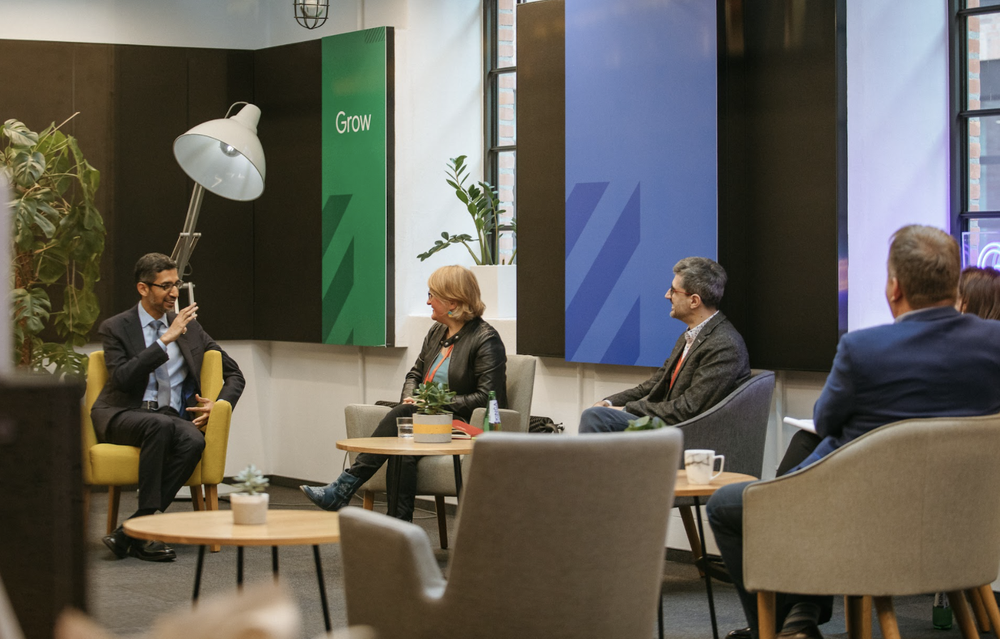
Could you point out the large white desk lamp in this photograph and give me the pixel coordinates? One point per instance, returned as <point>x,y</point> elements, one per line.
<point>225,157</point>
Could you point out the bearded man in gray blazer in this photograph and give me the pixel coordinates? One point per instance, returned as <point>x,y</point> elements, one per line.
<point>707,363</point>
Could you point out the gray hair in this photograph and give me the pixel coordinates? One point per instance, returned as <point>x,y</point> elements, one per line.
<point>703,276</point>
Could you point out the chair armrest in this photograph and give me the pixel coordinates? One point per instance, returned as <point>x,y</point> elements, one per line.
<point>362,419</point>
<point>213,460</point>
<point>510,420</point>
<point>387,560</point>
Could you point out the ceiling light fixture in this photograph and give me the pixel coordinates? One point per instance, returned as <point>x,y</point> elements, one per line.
<point>311,13</point>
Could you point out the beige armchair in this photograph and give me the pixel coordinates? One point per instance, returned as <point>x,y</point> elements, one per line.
<point>582,558</point>
<point>908,508</point>
<point>436,475</point>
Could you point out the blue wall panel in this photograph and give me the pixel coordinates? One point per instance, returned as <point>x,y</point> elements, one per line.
<point>641,169</point>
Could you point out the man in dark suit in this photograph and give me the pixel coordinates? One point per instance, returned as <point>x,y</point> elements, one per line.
<point>708,362</point>
<point>152,399</point>
<point>931,362</point>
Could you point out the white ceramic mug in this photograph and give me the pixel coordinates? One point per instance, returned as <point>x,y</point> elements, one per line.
<point>700,465</point>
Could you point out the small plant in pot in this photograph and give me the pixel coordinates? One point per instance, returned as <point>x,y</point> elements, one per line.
<point>250,503</point>
<point>432,421</point>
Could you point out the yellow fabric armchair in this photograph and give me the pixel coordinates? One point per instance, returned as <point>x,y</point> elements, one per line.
<point>115,466</point>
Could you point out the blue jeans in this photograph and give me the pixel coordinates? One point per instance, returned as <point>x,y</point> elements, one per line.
<point>725,516</point>
<point>601,419</point>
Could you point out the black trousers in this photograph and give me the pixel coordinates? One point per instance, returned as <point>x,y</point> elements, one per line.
<point>170,448</point>
<point>367,464</point>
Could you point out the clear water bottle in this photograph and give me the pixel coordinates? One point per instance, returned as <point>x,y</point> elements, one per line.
<point>491,421</point>
<point>941,617</point>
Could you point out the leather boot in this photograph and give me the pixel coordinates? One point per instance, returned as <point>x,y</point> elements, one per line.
<point>336,495</point>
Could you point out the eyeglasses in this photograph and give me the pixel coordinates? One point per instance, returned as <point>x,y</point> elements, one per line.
<point>671,291</point>
<point>166,286</point>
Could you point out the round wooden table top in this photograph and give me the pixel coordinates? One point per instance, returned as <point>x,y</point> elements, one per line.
<point>683,489</point>
<point>216,527</point>
<point>403,446</point>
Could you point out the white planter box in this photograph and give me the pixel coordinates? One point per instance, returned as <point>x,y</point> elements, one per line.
<point>249,509</point>
<point>498,288</point>
<point>431,429</point>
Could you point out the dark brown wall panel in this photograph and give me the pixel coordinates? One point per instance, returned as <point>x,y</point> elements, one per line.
<point>161,92</point>
<point>541,178</point>
<point>287,225</point>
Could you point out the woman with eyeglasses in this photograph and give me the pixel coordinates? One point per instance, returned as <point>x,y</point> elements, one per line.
<point>460,349</point>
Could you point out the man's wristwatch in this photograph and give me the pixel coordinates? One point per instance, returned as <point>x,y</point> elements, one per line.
<point>606,403</point>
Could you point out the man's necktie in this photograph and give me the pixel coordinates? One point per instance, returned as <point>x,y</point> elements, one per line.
<point>162,376</point>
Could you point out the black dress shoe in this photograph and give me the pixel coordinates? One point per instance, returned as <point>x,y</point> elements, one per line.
<point>151,551</point>
<point>715,567</point>
<point>118,542</point>
<point>740,633</point>
<point>807,631</point>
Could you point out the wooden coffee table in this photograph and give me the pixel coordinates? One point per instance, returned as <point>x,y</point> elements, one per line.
<point>216,527</point>
<point>395,447</point>
<point>682,488</point>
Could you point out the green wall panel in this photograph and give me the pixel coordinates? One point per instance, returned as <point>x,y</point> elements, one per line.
<point>357,243</point>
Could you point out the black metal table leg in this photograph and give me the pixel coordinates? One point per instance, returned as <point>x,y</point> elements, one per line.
<point>322,589</point>
<point>392,481</point>
<point>197,575</point>
<point>274,562</point>
<point>708,577</point>
<point>457,459</point>
<point>239,567</point>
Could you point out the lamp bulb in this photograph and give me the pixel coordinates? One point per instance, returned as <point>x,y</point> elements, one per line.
<point>229,151</point>
<point>310,8</point>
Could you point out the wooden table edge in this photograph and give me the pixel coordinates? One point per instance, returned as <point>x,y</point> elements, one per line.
<point>382,446</point>
<point>207,539</point>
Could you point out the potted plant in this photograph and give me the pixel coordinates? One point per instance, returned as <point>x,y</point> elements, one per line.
<point>58,239</point>
<point>498,286</point>
<point>432,421</point>
<point>250,503</point>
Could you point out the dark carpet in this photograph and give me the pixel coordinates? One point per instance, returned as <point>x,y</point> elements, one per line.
<point>126,595</point>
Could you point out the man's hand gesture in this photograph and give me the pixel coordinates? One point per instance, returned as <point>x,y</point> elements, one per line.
<point>203,410</point>
<point>179,326</point>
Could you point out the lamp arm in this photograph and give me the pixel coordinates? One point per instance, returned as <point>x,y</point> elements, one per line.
<point>188,239</point>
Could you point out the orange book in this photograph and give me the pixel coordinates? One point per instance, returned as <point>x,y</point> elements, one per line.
<point>461,430</point>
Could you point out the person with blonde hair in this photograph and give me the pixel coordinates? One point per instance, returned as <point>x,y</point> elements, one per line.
<point>979,292</point>
<point>461,350</point>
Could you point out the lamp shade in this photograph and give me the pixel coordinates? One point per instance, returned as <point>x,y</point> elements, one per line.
<point>225,156</point>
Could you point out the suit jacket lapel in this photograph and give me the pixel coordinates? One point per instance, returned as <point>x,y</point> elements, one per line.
<point>182,343</point>
<point>702,336</point>
<point>133,330</point>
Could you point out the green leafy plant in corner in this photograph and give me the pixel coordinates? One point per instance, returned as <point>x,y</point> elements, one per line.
<point>251,481</point>
<point>483,204</point>
<point>434,398</point>
<point>57,245</point>
<point>645,423</point>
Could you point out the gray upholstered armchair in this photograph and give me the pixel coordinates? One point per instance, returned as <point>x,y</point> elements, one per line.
<point>908,508</point>
<point>436,475</point>
<point>581,558</point>
<point>735,427</point>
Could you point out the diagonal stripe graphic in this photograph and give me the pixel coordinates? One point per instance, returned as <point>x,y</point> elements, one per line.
<point>338,291</point>
<point>580,205</point>
<point>603,274</point>
<point>624,348</point>
<point>333,215</point>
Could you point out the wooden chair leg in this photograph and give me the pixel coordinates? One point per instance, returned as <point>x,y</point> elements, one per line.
<point>978,609</point>
<point>442,521</point>
<point>691,529</point>
<point>211,503</point>
<point>990,603</point>
<point>765,615</point>
<point>962,614</point>
<point>114,496</point>
<point>858,611</point>
<point>887,618</point>
<point>368,500</point>
<point>197,499</point>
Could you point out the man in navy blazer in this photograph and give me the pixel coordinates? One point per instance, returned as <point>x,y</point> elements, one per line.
<point>708,361</point>
<point>151,399</point>
<point>931,362</point>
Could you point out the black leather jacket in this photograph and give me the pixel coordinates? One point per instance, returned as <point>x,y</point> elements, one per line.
<point>478,365</point>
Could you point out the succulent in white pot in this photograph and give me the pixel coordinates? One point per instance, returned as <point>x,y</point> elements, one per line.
<point>249,505</point>
<point>432,421</point>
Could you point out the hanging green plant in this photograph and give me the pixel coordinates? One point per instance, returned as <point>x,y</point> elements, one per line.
<point>58,239</point>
